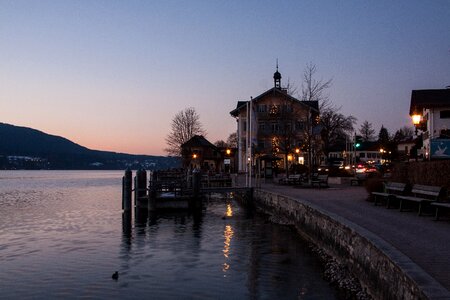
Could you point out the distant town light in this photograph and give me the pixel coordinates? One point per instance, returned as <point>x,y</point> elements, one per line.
<point>194,156</point>
<point>228,151</point>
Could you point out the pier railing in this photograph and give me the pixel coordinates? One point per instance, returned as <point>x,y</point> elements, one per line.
<point>164,186</point>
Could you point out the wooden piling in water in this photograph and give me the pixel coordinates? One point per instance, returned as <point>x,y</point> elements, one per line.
<point>195,202</point>
<point>152,192</point>
<point>196,184</point>
<point>140,188</point>
<point>126,190</point>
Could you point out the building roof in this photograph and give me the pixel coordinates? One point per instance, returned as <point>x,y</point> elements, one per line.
<point>241,104</point>
<point>198,141</point>
<point>428,99</point>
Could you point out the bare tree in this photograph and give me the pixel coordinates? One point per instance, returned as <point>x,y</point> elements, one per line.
<point>367,132</point>
<point>403,133</point>
<point>220,144</point>
<point>232,140</point>
<point>336,127</point>
<point>185,125</point>
<point>314,89</point>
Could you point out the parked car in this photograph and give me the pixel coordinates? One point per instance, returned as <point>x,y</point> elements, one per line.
<point>365,168</point>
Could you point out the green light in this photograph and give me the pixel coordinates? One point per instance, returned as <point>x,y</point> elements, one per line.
<point>357,145</point>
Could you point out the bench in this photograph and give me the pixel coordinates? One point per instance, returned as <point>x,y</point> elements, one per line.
<point>320,180</point>
<point>423,195</point>
<point>359,179</point>
<point>391,191</point>
<point>439,206</point>
<point>291,179</point>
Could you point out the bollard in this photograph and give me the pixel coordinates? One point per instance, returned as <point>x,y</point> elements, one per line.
<point>142,183</point>
<point>196,177</point>
<point>248,202</point>
<point>126,190</point>
<point>152,192</point>
<point>140,189</point>
<point>126,224</point>
<point>196,202</point>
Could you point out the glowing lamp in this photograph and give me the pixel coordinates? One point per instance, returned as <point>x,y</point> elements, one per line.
<point>228,151</point>
<point>194,156</point>
<point>297,150</point>
<point>416,118</point>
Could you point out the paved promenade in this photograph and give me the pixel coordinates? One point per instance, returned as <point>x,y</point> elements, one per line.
<point>424,241</point>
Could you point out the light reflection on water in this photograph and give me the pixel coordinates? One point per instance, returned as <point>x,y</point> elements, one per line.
<point>62,235</point>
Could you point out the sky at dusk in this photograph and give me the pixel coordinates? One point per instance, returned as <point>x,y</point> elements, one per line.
<point>110,75</point>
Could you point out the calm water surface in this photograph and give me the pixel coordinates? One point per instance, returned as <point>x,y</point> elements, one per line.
<point>62,235</point>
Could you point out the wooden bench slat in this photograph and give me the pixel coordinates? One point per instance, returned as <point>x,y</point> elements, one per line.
<point>392,189</point>
<point>423,194</point>
<point>321,180</point>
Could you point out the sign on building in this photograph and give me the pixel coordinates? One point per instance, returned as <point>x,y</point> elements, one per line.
<point>440,148</point>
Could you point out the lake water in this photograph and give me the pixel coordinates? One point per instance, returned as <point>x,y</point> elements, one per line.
<point>62,235</point>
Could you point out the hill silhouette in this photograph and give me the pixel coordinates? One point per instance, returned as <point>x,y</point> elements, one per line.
<point>28,148</point>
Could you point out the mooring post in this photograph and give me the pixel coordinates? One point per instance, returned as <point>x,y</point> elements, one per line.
<point>126,223</point>
<point>126,190</point>
<point>196,177</point>
<point>152,192</point>
<point>142,183</point>
<point>196,202</point>
<point>140,188</point>
<point>249,197</point>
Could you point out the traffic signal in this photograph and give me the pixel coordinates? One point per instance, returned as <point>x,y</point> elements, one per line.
<point>358,141</point>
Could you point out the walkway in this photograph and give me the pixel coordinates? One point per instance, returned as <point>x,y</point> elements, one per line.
<point>424,241</point>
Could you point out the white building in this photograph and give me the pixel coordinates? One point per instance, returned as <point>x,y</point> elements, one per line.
<point>433,108</point>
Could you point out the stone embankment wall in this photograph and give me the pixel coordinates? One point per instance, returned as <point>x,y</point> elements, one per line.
<point>382,270</point>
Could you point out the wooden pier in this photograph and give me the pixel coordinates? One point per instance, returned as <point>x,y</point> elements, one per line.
<point>174,189</point>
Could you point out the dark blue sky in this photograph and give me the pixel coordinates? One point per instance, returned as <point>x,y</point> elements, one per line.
<point>111,74</point>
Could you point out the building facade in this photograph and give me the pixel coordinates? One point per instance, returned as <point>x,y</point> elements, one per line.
<point>198,153</point>
<point>275,130</point>
<point>431,110</point>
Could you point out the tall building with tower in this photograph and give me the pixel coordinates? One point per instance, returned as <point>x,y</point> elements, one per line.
<point>276,130</point>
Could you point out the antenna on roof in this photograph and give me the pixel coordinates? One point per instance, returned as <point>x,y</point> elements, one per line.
<point>277,64</point>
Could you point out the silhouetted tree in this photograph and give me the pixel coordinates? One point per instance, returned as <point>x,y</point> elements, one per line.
<point>314,89</point>
<point>403,133</point>
<point>232,140</point>
<point>185,125</point>
<point>366,131</point>
<point>383,137</point>
<point>336,127</point>
<point>220,144</point>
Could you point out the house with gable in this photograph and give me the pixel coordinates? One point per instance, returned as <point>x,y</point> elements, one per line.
<point>431,110</point>
<point>199,153</point>
<point>276,130</point>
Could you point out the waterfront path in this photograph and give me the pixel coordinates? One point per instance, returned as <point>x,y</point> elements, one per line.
<point>425,241</point>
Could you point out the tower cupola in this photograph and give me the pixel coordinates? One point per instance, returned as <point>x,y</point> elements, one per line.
<point>277,78</point>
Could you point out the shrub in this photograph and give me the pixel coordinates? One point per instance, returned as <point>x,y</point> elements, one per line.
<point>374,184</point>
